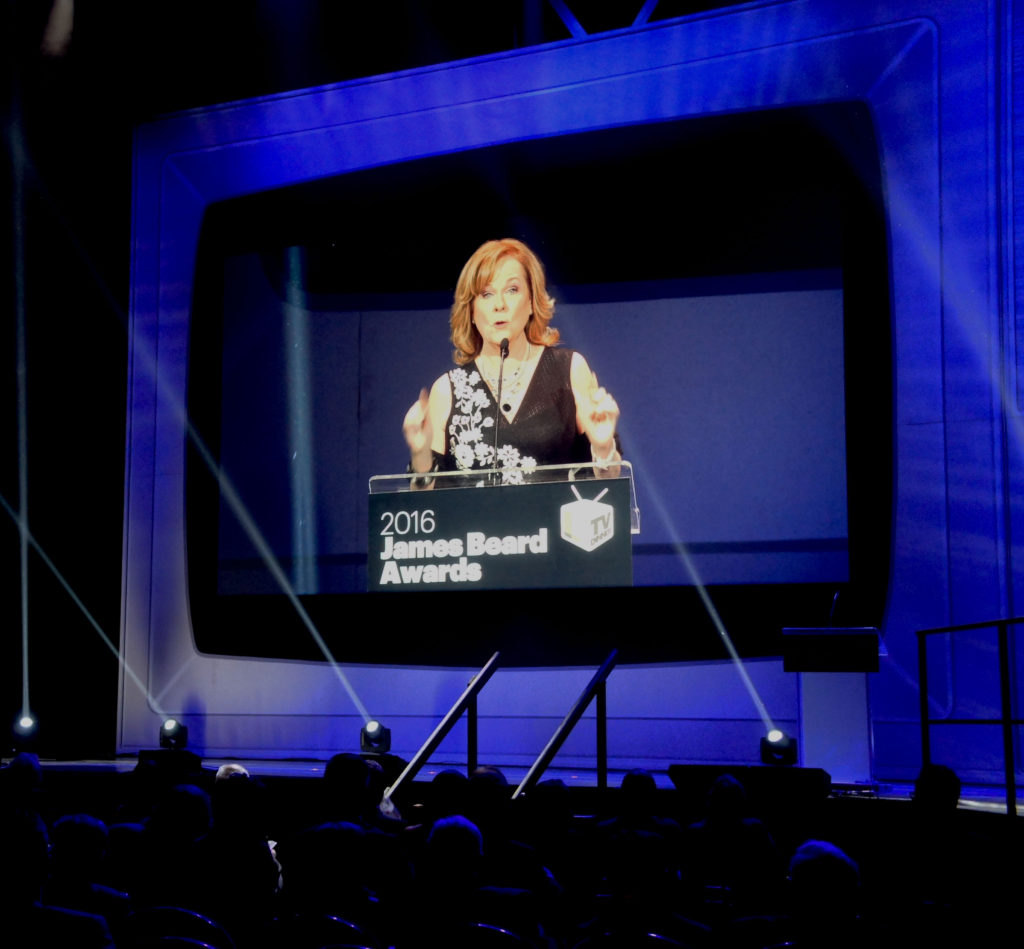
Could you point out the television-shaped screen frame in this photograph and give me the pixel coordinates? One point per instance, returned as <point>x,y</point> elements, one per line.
<point>723,337</point>
<point>249,148</point>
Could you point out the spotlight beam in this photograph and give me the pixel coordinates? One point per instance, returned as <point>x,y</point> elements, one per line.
<point>170,683</point>
<point>723,634</point>
<point>148,361</point>
<point>255,536</point>
<point>16,144</point>
<point>76,599</point>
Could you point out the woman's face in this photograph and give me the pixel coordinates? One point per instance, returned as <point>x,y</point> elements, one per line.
<point>502,309</point>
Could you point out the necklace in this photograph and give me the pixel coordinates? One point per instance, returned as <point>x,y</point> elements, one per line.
<point>512,384</point>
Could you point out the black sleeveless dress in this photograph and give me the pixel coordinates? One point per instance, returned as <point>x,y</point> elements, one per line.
<point>543,431</point>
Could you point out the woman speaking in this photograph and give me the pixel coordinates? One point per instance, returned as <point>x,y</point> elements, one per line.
<point>552,410</point>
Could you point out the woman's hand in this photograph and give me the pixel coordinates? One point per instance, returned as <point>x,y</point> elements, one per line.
<point>419,433</point>
<point>599,415</point>
<point>424,425</point>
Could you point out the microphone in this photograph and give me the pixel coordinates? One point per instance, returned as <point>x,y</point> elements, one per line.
<point>503,346</point>
<point>497,400</point>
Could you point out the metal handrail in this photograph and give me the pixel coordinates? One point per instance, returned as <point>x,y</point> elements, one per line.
<point>466,701</point>
<point>1006,720</point>
<point>594,689</point>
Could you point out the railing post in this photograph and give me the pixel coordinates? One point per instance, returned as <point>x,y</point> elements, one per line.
<point>601,710</point>
<point>568,724</point>
<point>472,749</point>
<point>1005,720</point>
<point>465,703</point>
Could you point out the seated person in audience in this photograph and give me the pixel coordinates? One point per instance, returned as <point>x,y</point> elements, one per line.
<point>733,850</point>
<point>79,845</point>
<point>32,921</point>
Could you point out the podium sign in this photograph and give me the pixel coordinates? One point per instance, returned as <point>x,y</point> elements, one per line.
<point>551,534</point>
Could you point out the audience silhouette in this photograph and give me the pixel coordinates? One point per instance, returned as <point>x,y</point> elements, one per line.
<point>216,861</point>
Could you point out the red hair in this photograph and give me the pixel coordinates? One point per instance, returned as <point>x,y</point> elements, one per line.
<point>477,274</point>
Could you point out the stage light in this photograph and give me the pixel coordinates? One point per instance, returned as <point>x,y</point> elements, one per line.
<point>23,732</point>
<point>778,748</point>
<point>374,738</point>
<point>173,734</point>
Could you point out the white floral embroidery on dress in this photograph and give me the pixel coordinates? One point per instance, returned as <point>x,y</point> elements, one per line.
<point>466,426</point>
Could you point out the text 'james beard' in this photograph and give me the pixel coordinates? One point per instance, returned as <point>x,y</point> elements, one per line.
<point>476,544</point>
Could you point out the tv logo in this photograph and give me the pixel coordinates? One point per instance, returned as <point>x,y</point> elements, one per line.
<point>587,524</point>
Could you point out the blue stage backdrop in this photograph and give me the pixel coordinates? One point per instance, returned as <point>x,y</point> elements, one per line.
<point>818,366</point>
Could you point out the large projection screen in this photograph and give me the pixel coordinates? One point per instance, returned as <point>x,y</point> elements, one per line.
<point>186,165</point>
<point>725,338</point>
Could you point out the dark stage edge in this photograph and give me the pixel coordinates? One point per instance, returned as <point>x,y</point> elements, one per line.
<point>978,798</point>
